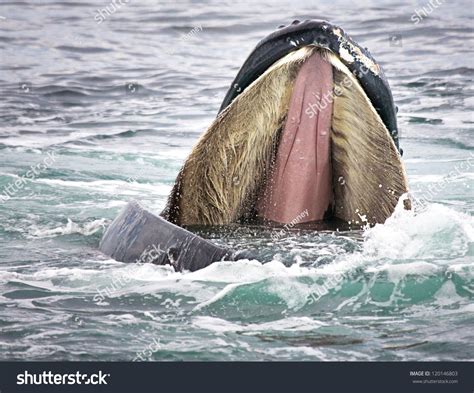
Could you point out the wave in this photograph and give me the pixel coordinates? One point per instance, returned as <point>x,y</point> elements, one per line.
<point>70,228</point>
<point>415,258</point>
<point>435,232</point>
<point>81,49</point>
<point>129,187</point>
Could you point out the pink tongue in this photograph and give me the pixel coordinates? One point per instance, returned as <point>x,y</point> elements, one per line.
<point>299,188</point>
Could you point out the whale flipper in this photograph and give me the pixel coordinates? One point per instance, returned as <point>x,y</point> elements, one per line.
<point>136,235</point>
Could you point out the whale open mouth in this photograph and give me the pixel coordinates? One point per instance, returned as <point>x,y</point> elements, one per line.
<point>302,143</point>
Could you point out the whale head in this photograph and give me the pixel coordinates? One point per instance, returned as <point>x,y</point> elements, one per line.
<point>307,132</point>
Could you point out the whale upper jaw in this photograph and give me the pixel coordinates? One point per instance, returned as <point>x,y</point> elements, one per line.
<point>325,35</point>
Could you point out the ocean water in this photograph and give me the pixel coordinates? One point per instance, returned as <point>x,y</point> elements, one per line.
<point>107,112</point>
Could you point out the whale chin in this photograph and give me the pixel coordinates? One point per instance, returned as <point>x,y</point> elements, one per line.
<point>303,141</point>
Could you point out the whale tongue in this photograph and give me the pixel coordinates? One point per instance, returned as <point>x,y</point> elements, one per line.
<point>299,187</point>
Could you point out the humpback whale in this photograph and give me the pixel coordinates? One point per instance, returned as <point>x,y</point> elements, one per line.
<point>308,125</point>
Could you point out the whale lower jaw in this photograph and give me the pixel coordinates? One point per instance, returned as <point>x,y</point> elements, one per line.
<point>229,173</point>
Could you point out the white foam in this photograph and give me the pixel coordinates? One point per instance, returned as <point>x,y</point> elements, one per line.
<point>435,232</point>
<point>399,271</point>
<point>245,271</point>
<point>71,227</point>
<point>290,324</point>
<point>116,187</point>
<point>447,295</point>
